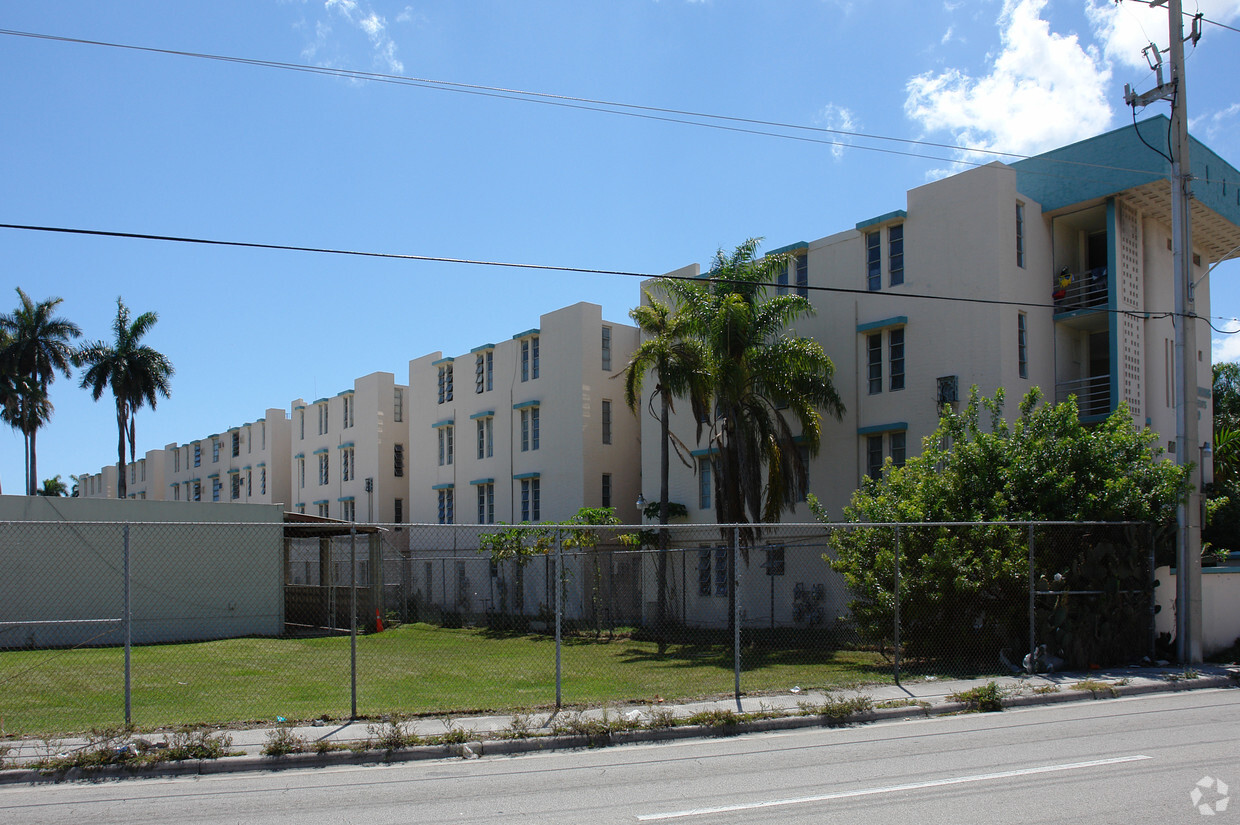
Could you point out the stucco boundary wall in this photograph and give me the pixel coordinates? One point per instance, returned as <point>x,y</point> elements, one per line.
<point>1220,606</point>
<point>197,572</point>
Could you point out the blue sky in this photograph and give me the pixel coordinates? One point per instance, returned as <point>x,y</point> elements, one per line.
<point>108,139</point>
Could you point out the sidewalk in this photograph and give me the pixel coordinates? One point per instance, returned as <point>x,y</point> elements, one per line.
<point>469,737</point>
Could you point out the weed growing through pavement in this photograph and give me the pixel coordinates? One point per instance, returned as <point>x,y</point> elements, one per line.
<point>519,727</point>
<point>282,741</point>
<point>1096,687</point>
<point>987,698</point>
<point>836,709</point>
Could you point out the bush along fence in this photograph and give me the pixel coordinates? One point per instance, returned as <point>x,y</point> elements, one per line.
<point>235,623</point>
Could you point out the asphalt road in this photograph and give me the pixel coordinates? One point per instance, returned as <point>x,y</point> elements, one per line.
<point>1133,760</point>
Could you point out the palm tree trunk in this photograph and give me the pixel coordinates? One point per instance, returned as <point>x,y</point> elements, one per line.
<point>121,418</point>
<point>32,473</point>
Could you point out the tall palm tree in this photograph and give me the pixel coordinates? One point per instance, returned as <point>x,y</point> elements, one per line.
<point>37,345</point>
<point>765,380</point>
<point>677,361</point>
<point>136,373</point>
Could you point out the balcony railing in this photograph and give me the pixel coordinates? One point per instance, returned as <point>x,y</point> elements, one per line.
<point>1084,290</point>
<point>1093,394</point>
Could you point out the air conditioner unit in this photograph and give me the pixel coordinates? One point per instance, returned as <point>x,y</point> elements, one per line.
<point>949,389</point>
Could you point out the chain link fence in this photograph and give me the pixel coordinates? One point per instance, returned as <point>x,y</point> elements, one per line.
<point>172,623</point>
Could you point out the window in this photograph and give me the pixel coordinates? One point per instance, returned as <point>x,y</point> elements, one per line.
<point>606,497</point>
<point>301,419</point>
<point>446,506</point>
<point>606,348</point>
<point>490,370</point>
<point>705,487</point>
<point>1020,237</point>
<point>133,473</point>
<point>446,448</point>
<point>348,510</point>
<point>234,486</point>
<point>398,404</point>
<point>176,492</point>
<point>262,481</point>
<point>176,460</point>
<point>249,483</point>
<point>215,489</point>
<point>398,511</point>
<point>398,460</point>
<point>898,441</point>
<point>606,420</point>
<point>874,345</point>
<point>486,439</point>
<point>895,255</point>
<point>486,503</point>
<point>197,454</point>
<point>445,383</point>
<point>322,505</point>
<point>1022,345</point>
<point>801,262</point>
<point>262,430</point>
<point>301,472</point>
<point>323,469</point>
<point>534,358</point>
<point>719,555</point>
<point>874,456</point>
<point>895,354</point>
<point>347,416</point>
<point>529,429</point>
<point>346,464</point>
<point>531,507</point>
<point>479,373</point>
<point>197,491</point>
<point>236,444</point>
<point>249,439</point>
<point>525,360</point>
<point>874,261</point>
<point>215,451</point>
<point>323,417</point>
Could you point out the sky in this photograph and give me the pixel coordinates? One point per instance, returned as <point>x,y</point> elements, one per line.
<point>135,141</point>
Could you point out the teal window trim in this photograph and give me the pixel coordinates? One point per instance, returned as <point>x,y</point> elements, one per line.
<point>322,400</point>
<point>799,246</point>
<point>297,407</point>
<point>897,215</point>
<point>348,445</point>
<point>300,455</point>
<point>527,333</point>
<point>321,450</point>
<point>320,501</point>
<point>483,414</point>
<point>522,476</point>
<point>448,486</point>
<point>246,468</point>
<point>261,464</point>
<point>477,481</point>
<point>214,475</point>
<point>447,422</point>
<point>702,453</point>
<point>482,348</point>
<point>345,392</point>
<point>526,405</point>
<point>896,426</point>
<point>894,321</point>
<point>345,498</point>
<point>448,360</point>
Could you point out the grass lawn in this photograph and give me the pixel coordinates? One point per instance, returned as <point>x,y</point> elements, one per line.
<point>415,669</point>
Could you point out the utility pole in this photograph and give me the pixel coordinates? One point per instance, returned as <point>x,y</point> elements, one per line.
<point>1187,435</point>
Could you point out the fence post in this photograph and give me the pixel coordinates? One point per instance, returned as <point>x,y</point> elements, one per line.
<point>1033,586</point>
<point>1153,585</point>
<point>128,633</point>
<point>896,634</point>
<point>736,615</point>
<point>353,618</point>
<point>559,612</point>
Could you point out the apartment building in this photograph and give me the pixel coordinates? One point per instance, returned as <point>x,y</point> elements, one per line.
<point>529,428</point>
<point>1054,272</point>
<point>347,458</point>
<point>246,464</point>
<point>144,479</point>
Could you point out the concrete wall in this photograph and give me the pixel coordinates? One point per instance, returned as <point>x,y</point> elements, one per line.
<point>1220,606</point>
<point>197,572</point>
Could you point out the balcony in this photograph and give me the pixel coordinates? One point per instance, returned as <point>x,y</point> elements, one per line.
<point>1083,290</point>
<point>1093,394</point>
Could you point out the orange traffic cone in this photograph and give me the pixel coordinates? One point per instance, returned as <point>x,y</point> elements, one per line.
<point>378,621</point>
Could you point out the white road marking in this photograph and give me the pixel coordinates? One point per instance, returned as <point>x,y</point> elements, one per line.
<point>913,786</point>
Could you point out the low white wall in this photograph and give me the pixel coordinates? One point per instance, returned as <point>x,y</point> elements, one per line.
<point>1220,606</point>
<point>198,571</point>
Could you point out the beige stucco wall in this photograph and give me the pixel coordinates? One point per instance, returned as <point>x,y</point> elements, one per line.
<point>1220,606</point>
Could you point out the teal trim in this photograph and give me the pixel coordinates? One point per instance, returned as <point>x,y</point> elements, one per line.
<point>247,468</point>
<point>448,360</point>
<point>894,427</point>
<point>483,481</point>
<point>703,453</point>
<point>792,247</point>
<point>320,501</point>
<point>482,348</point>
<point>1077,313</point>
<point>321,450</point>
<point>345,392</point>
<point>214,435</point>
<point>345,498</point>
<point>447,486</point>
<point>527,333</point>
<point>898,214</point>
<point>297,407</point>
<point>345,446</point>
<point>234,472</point>
<point>524,404</point>
<point>522,476</point>
<point>447,422</point>
<point>300,455</point>
<point>322,400</point>
<point>483,414</point>
<point>213,475</point>
<point>262,464</point>
<point>1113,300</point>
<point>261,420</point>
<point>894,321</point>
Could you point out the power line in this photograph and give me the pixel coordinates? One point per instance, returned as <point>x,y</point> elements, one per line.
<point>1139,314</point>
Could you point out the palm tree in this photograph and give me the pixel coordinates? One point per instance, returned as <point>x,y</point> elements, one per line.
<point>136,373</point>
<point>678,362</point>
<point>36,347</point>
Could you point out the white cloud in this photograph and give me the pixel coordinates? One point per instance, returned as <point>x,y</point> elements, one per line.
<point>1216,124</point>
<point>363,18</point>
<point>948,35</point>
<point>1041,90</point>
<point>1226,347</point>
<point>842,119</point>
